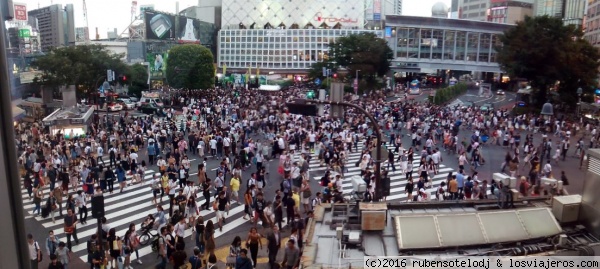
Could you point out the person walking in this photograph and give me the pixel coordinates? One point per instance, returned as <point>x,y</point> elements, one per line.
<point>63,254</point>
<point>221,205</point>
<point>253,242</point>
<point>81,201</point>
<point>70,227</point>
<point>209,238</point>
<point>273,246</point>
<point>35,254</point>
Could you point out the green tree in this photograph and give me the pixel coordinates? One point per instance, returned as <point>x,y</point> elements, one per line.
<point>545,51</point>
<point>138,81</point>
<point>84,66</point>
<point>190,66</point>
<point>365,52</point>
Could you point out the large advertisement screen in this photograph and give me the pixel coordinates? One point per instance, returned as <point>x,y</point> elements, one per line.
<point>159,26</point>
<point>156,56</point>
<point>188,30</point>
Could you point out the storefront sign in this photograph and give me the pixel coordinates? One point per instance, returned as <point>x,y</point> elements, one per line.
<point>320,18</point>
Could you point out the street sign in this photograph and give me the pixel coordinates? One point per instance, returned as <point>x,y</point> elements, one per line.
<point>109,75</point>
<point>324,71</point>
<point>317,82</point>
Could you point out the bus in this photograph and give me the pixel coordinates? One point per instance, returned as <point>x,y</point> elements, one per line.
<point>414,87</point>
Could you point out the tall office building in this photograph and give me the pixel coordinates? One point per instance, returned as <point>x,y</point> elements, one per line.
<point>476,10</point>
<point>592,23</point>
<point>574,12</point>
<point>509,11</point>
<point>454,9</point>
<point>398,7</point>
<point>553,8</point>
<point>55,24</point>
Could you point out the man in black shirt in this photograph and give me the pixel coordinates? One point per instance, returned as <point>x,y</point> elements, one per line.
<point>181,199</point>
<point>222,204</point>
<point>259,207</point>
<point>409,188</point>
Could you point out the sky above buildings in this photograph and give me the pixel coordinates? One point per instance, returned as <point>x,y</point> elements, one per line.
<point>109,14</point>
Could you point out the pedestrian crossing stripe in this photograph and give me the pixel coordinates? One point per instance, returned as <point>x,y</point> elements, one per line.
<point>397,179</point>
<point>133,206</point>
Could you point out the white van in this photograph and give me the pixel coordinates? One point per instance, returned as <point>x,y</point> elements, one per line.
<point>148,100</point>
<point>151,98</point>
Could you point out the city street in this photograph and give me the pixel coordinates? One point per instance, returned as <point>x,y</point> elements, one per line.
<point>134,204</point>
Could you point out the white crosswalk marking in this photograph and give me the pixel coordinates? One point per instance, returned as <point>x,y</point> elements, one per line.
<point>121,209</point>
<point>397,180</point>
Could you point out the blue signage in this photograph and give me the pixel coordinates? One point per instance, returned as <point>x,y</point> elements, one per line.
<point>388,32</point>
<point>598,91</point>
<point>317,81</point>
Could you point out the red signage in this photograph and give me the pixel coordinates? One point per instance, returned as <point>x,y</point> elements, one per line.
<point>20,12</point>
<point>320,18</point>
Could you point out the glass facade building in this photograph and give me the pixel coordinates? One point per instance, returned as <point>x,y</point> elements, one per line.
<point>278,49</point>
<point>439,43</point>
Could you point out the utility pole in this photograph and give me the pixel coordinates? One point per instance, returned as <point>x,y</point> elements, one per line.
<point>309,108</point>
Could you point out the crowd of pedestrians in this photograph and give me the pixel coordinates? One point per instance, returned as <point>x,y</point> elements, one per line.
<point>249,132</point>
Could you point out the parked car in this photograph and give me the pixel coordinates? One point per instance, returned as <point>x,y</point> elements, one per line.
<point>150,109</point>
<point>125,102</point>
<point>466,104</point>
<point>499,92</point>
<point>115,106</point>
<point>487,107</point>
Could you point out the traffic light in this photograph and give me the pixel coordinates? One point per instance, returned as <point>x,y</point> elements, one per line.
<point>310,95</point>
<point>334,75</point>
<point>124,78</point>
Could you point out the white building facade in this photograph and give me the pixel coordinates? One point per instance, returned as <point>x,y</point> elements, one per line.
<point>285,36</point>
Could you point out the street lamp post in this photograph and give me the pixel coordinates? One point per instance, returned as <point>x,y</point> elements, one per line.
<point>106,87</point>
<point>356,83</point>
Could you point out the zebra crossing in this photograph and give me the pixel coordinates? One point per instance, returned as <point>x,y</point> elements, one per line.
<point>121,209</point>
<point>397,179</point>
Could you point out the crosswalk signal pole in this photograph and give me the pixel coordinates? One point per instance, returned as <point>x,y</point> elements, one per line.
<point>378,182</point>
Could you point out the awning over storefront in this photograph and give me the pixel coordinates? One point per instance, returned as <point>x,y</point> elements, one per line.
<point>17,112</point>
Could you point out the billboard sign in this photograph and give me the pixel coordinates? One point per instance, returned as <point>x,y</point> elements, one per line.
<point>158,64</point>
<point>189,30</point>
<point>24,33</point>
<point>20,11</point>
<point>376,10</point>
<point>159,26</point>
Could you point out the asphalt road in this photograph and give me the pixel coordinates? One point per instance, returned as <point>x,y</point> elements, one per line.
<point>134,203</point>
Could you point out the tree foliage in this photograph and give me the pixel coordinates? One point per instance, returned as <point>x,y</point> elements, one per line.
<point>82,66</point>
<point>545,51</point>
<point>190,66</point>
<point>365,52</point>
<point>139,79</point>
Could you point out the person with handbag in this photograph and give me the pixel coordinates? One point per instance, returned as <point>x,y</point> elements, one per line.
<point>115,247</point>
<point>234,252</point>
<point>70,227</point>
<point>51,205</point>
<point>306,194</point>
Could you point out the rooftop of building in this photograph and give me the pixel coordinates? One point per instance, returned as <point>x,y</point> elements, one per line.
<point>338,237</point>
<point>82,112</point>
<point>444,23</point>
